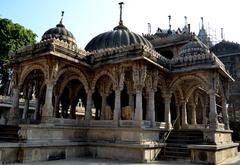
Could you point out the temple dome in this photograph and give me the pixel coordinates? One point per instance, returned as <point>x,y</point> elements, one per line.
<point>61,33</point>
<point>225,47</point>
<point>194,47</point>
<point>119,36</point>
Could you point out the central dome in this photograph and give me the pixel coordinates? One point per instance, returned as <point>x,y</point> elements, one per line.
<point>119,36</point>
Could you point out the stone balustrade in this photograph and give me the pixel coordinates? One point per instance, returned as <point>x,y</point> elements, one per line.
<point>155,39</point>
<point>8,101</point>
<point>28,50</point>
<point>68,122</point>
<point>203,59</point>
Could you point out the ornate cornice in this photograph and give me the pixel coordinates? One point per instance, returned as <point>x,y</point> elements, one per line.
<point>48,46</point>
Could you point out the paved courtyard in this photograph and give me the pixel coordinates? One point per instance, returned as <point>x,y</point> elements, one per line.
<point>86,161</point>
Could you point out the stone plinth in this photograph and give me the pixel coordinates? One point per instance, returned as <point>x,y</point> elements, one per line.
<point>213,154</point>
<point>47,142</point>
<point>217,136</point>
<point>217,148</point>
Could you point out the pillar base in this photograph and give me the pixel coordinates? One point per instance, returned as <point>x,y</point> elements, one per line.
<point>87,122</point>
<point>46,120</point>
<point>168,125</point>
<point>13,119</point>
<point>153,124</point>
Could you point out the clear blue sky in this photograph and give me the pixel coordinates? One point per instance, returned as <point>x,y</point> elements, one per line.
<point>88,18</point>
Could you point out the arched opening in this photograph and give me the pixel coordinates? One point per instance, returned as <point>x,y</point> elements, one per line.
<point>126,109</point>
<point>159,106</point>
<point>32,98</point>
<point>193,101</point>
<point>173,109</point>
<point>71,103</point>
<point>103,99</point>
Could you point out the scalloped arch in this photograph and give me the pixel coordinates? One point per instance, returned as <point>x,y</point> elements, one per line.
<point>27,70</point>
<point>82,78</point>
<point>99,75</point>
<point>178,80</point>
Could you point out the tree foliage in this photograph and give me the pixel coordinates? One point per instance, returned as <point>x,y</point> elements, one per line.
<point>12,37</point>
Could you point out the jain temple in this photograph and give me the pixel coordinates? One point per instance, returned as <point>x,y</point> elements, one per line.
<point>125,96</point>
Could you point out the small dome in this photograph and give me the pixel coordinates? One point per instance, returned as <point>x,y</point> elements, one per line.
<point>120,36</point>
<point>194,47</point>
<point>61,33</point>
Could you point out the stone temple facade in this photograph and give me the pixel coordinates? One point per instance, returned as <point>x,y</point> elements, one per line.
<point>228,53</point>
<point>122,97</point>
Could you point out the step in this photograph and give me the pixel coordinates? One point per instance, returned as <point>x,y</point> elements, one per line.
<point>184,141</point>
<point>180,149</point>
<point>178,154</point>
<point>172,157</point>
<point>9,133</point>
<point>177,142</point>
<point>7,139</point>
<point>185,136</point>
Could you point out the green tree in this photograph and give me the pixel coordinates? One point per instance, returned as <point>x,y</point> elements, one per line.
<point>12,37</point>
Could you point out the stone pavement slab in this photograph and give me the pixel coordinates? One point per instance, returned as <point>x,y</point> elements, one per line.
<point>88,161</point>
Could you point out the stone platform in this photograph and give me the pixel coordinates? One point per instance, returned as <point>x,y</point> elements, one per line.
<point>50,142</point>
<point>89,161</point>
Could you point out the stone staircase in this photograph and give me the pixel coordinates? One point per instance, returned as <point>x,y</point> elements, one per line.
<point>177,142</point>
<point>9,133</point>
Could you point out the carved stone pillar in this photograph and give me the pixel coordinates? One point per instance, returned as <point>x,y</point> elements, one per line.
<point>103,106</point>
<point>138,109</point>
<point>139,76</point>
<point>36,109</point>
<point>14,110</point>
<point>167,117</point>
<point>193,118</point>
<point>131,103</point>
<point>73,104</point>
<point>88,112</point>
<point>204,116</point>
<point>178,116</point>
<point>118,87</point>
<point>117,105</point>
<point>184,114</point>
<point>151,86</point>
<point>225,114</point>
<point>47,110</point>
<point>213,110</point>
<point>26,104</point>
<point>151,107</point>
<point>56,106</point>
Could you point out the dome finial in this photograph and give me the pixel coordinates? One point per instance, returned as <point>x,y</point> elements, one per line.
<point>202,23</point>
<point>120,26</point>
<point>169,21</point>
<point>61,17</point>
<point>120,21</point>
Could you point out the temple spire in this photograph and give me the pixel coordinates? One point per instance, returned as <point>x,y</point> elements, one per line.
<point>120,25</point>
<point>61,17</point>
<point>120,21</point>
<point>186,23</point>
<point>169,19</point>
<point>202,23</point>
